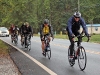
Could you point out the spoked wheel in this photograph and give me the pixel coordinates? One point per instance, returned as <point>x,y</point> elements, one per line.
<point>23,44</point>
<point>82,59</point>
<point>15,41</point>
<point>49,53</point>
<point>71,61</point>
<point>29,45</point>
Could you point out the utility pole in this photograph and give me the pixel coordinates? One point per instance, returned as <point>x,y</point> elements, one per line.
<point>78,5</point>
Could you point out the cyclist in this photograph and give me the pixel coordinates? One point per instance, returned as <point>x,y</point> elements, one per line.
<point>11,31</point>
<point>73,29</point>
<point>25,30</point>
<point>22,31</point>
<point>16,31</point>
<point>45,29</point>
<point>29,30</point>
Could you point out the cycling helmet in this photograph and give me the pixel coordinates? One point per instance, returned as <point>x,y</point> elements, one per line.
<point>77,14</point>
<point>26,23</point>
<point>16,26</point>
<point>46,21</point>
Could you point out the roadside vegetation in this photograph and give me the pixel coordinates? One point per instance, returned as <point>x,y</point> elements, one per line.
<point>94,38</point>
<point>3,48</point>
<point>57,11</point>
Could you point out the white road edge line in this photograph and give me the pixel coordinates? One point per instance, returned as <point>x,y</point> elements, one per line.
<point>34,60</point>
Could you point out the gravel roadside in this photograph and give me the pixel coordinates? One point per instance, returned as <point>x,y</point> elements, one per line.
<point>7,66</point>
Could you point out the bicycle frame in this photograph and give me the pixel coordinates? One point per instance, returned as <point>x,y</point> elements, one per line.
<point>14,38</point>
<point>47,45</point>
<point>28,42</point>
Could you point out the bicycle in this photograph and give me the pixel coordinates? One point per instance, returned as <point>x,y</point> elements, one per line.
<point>15,38</point>
<point>28,42</point>
<point>78,53</point>
<point>47,49</point>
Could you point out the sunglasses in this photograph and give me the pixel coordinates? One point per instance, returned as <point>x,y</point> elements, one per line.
<point>77,17</point>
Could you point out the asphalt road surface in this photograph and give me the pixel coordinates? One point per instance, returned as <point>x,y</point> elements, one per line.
<point>34,63</point>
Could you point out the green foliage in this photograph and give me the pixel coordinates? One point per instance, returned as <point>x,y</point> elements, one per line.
<point>57,11</point>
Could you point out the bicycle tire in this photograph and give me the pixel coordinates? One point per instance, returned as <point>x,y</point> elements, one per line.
<point>15,41</point>
<point>29,45</point>
<point>82,55</point>
<point>23,44</point>
<point>71,63</point>
<point>49,53</point>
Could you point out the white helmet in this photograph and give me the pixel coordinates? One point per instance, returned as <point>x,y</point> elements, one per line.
<point>77,14</point>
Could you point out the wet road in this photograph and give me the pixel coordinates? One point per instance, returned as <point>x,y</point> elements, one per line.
<point>34,63</point>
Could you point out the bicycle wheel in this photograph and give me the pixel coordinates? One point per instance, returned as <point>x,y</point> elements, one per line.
<point>15,41</point>
<point>23,44</point>
<point>28,45</point>
<point>49,53</point>
<point>82,59</point>
<point>71,61</point>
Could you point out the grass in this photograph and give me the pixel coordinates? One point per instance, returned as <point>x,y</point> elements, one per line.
<point>94,38</point>
<point>3,48</point>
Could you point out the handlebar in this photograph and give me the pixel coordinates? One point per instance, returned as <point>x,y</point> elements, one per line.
<point>81,36</point>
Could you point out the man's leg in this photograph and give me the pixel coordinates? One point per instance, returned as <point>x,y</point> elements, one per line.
<point>72,45</point>
<point>25,42</point>
<point>43,46</point>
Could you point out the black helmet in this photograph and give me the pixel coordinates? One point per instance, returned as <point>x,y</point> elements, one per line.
<point>77,14</point>
<point>46,21</point>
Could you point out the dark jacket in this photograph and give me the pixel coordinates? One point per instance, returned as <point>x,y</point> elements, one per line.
<point>50,28</point>
<point>22,29</point>
<point>29,30</point>
<point>73,26</point>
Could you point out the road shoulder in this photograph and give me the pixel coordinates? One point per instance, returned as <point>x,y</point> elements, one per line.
<point>7,66</point>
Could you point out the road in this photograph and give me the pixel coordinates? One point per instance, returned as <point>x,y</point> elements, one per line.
<point>37,64</point>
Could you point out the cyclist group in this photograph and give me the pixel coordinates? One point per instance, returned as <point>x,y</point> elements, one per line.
<point>24,30</point>
<point>73,28</point>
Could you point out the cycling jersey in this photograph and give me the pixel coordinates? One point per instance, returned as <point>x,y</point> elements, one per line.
<point>46,30</point>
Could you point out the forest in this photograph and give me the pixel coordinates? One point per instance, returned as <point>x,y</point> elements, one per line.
<point>57,11</point>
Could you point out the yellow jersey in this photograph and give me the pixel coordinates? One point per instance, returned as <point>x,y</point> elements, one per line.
<point>46,30</point>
